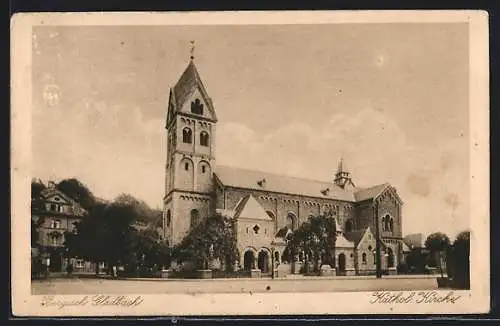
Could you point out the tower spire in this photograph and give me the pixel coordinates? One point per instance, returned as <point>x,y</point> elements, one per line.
<point>191,50</point>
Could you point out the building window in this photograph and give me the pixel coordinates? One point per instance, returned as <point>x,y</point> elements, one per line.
<point>53,207</point>
<point>55,224</point>
<point>195,217</point>
<point>265,231</point>
<point>103,265</point>
<point>54,239</point>
<point>363,258</point>
<point>248,231</point>
<point>388,223</point>
<point>187,135</point>
<point>197,107</point>
<point>291,221</point>
<point>79,263</point>
<point>256,229</point>
<point>186,166</point>
<point>370,248</point>
<point>204,138</point>
<point>203,168</point>
<point>169,218</point>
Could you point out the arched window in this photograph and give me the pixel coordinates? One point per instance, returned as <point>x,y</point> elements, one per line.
<point>197,107</point>
<point>349,226</point>
<point>271,215</point>
<point>204,138</point>
<point>291,221</point>
<point>363,258</point>
<point>391,225</point>
<point>169,218</point>
<point>386,220</point>
<point>187,135</point>
<point>195,217</point>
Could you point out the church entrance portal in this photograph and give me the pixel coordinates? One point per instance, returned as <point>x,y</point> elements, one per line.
<point>263,262</point>
<point>248,260</point>
<point>390,258</point>
<point>341,264</point>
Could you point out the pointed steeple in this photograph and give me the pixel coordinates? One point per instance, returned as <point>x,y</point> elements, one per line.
<point>341,168</point>
<point>188,83</point>
<point>342,177</point>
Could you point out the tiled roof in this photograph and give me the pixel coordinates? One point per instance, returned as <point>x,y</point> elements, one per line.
<point>186,82</point>
<point>75,206</point>
<point>355,236</point>
<point>369,193</point>
<point>342,242</point>
<point>248,179</point>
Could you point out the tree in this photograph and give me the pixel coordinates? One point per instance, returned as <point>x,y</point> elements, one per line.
<point>151,250</point>
<point>437,243</point>
<point>77,191</point>
<point>109,233</point>
<point>316,237</point>
<point>214,238</point>
<point>461,260</point>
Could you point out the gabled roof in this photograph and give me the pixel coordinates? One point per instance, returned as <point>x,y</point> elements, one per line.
<point>52,192</point>
<point>342,242</point>
<point>249,179</point>
<point>358,235</point>
<point>249,207</point>
<point>355,236</point>
<point>370,193</point>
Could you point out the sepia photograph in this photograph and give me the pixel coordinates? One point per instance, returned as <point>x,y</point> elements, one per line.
<point>232,163</point>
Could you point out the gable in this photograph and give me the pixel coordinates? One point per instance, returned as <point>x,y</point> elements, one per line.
<point>250,208</point>
<point>366,237</point>
<point>389,193</point>
<point>188,88</point>
<point>196,99</point>
<point>57,198</point>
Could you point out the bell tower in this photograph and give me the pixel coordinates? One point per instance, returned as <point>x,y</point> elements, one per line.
<point>190,133</point>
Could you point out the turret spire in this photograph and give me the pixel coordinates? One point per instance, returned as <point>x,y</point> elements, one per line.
<point>342,177</point>
<point>191,51</point>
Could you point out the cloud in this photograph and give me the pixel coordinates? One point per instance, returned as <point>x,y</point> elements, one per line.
<point>375,149</point>
<point>111,148</point>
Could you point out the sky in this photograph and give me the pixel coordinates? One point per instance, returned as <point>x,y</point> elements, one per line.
<point>391,99</point>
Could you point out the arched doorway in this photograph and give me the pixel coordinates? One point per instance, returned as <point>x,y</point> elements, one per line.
<point>263,261</point>
<point>390,258</point>
<point>248,260</point>
<point>341,264</point>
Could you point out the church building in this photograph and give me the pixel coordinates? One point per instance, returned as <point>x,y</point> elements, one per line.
<point>265,204</point>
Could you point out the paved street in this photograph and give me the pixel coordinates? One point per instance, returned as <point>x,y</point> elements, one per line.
<point>163,286</point>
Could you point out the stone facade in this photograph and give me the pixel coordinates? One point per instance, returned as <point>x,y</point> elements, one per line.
<point>59,214</point>
<point>195,188</point>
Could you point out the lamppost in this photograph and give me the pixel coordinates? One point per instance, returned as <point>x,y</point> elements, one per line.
<point>377,242</point>
<point>272,262</point>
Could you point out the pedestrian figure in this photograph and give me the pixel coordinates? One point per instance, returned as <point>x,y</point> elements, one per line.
<point>69,269</point>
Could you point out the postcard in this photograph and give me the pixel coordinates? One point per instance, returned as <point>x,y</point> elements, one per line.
<point>250,163</point>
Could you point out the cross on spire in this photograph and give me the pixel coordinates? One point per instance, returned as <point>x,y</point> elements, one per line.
<point>192,50</point>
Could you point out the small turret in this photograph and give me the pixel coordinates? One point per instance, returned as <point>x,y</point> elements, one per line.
<point>343,177</point>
